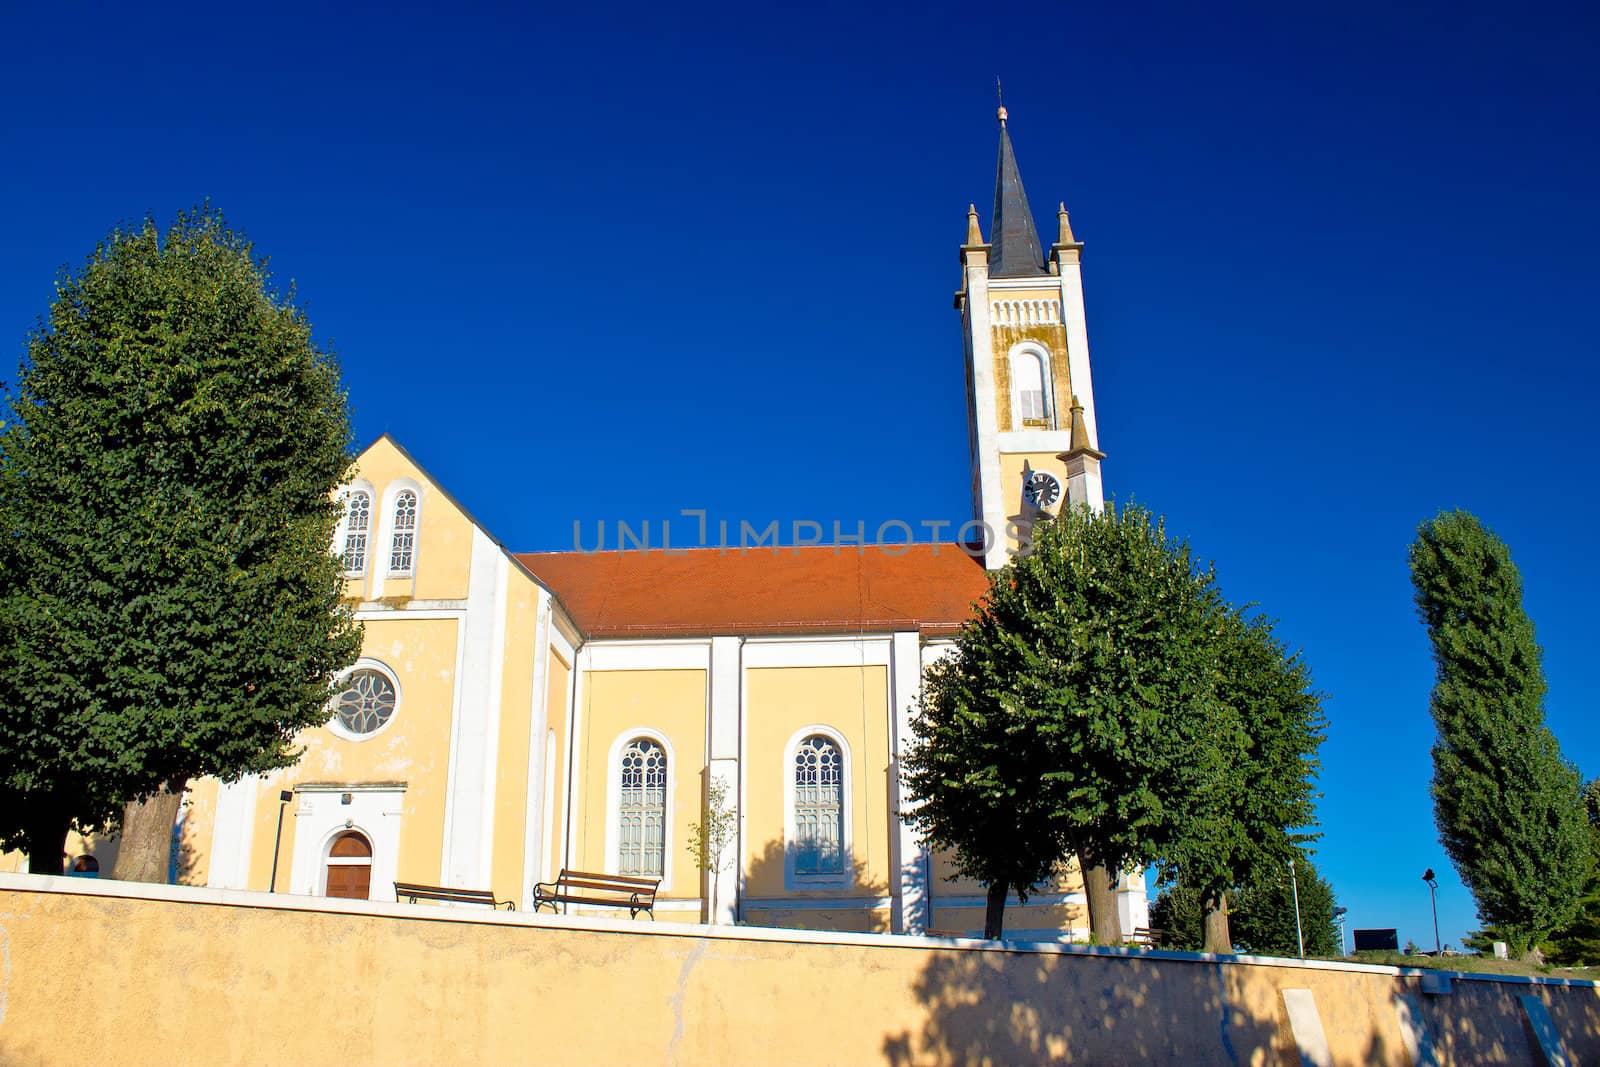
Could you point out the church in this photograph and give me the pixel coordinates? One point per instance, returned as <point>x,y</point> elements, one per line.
<point>514,714</point>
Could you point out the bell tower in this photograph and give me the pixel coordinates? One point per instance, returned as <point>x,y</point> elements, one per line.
<point>1030,400</point>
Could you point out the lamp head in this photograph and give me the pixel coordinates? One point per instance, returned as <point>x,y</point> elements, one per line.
<point>286,795</point>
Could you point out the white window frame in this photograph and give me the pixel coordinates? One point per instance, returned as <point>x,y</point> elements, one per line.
<point>341,535</point>
<point>846,877</point>
<point>1032,350</point>
<point>613,858</point>
<point>385,537</point>
<point>365,663</point>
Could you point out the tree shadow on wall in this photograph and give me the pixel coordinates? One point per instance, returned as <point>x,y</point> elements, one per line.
<point>797,903</point>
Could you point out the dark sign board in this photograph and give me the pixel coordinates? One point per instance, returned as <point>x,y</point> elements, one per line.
<point>1377,940</point>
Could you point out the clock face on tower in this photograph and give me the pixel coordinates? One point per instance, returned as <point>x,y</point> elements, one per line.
<point>1041,489</point>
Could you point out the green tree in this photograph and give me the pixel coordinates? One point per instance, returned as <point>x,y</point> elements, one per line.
<point>713,835</point>
<point>974,772</point>
<point>1578,942</point>
<point>1505,800</point>
<point>1178,918</point>
<point>1250,806</point>
<point>171,607</point>
<point>1264,911</point>
<point>1098,706</point>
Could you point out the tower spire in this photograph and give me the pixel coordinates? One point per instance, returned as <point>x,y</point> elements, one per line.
<point>1016,249</point>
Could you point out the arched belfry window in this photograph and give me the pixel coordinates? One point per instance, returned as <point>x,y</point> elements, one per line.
<point>1028,380</point>
<point>642,809</point>
<point>404,545</point>
<point>357,523</point>
<point>818,807</point>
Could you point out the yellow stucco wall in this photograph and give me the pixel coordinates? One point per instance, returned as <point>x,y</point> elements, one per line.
<point>413,748</point>
<point>444,534</point>
<point>358,983</point>
<point>555,796</point>
<point>671,703</point>
<point>781,702</point>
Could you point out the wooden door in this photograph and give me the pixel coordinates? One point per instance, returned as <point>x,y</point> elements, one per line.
<point>350,867</point>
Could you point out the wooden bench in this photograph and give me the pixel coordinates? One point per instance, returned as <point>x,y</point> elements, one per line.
<point>603,890</point>
<point>412,892</point>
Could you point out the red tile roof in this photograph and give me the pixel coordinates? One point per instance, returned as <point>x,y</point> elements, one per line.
<point>764,591</point>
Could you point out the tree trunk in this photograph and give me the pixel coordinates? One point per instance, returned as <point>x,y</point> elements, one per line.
<point>145,851</point>
<point>1104,922</point>
<point>47,842</point>
<point>994,913</point>
<point>1218,937</point>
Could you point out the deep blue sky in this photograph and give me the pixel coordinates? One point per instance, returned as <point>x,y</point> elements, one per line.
<point>1340,271</point>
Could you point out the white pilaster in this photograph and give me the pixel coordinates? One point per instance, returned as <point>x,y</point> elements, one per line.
<point>234,834</point>
<point>469,815</point>
<point>1076,323</point>
<point>910,914</point>
<point>985,421</point>
<point>534,817</point>
<point>723,730</point>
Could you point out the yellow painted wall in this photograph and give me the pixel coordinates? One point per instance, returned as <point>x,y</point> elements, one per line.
<point>214,983</point>
<point>444,533</point>
<point>518,712</point>
<point>413,748</point>
<point>671,702</point>
<point>780,701</point>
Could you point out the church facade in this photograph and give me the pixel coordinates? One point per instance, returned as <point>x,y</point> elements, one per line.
<point>514,714</point>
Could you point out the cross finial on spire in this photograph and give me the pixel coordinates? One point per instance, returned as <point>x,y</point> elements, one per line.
<point>1000,98</point>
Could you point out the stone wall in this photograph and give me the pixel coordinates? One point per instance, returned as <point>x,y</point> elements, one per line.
<point>115,973</point>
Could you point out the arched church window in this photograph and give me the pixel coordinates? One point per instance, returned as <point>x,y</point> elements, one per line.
<point>403,548</point>
<point>818,807</point>
<point>1028,370</point>
<point>357,522</point>
<point>642,809</point>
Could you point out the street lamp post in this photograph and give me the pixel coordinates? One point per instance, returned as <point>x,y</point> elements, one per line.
<point>1427,876</point>
<point>1299,936</point>
<point>283,801</point>
<point>1338,917</point>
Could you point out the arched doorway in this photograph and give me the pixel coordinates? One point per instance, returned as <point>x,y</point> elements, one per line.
<point>350,867</point>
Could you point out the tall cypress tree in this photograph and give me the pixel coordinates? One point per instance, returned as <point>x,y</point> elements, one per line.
<point>1506,803</point>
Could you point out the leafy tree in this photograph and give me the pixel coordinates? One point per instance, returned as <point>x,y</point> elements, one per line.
<point>171,608</point>
<point>1578,943</point>
<point>1178,916</point>
<point>710,839</point>
<point>1098,706</point>
<point>975,770</point>
<point>1247,809</point>
<point>1263,911</point>
<point>1505,800</point>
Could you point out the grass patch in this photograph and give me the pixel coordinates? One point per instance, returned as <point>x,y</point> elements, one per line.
<point>1474,965</point>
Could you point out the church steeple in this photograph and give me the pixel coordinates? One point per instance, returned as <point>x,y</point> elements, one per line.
<point>1016,251</point>
<point>1034,439</point>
